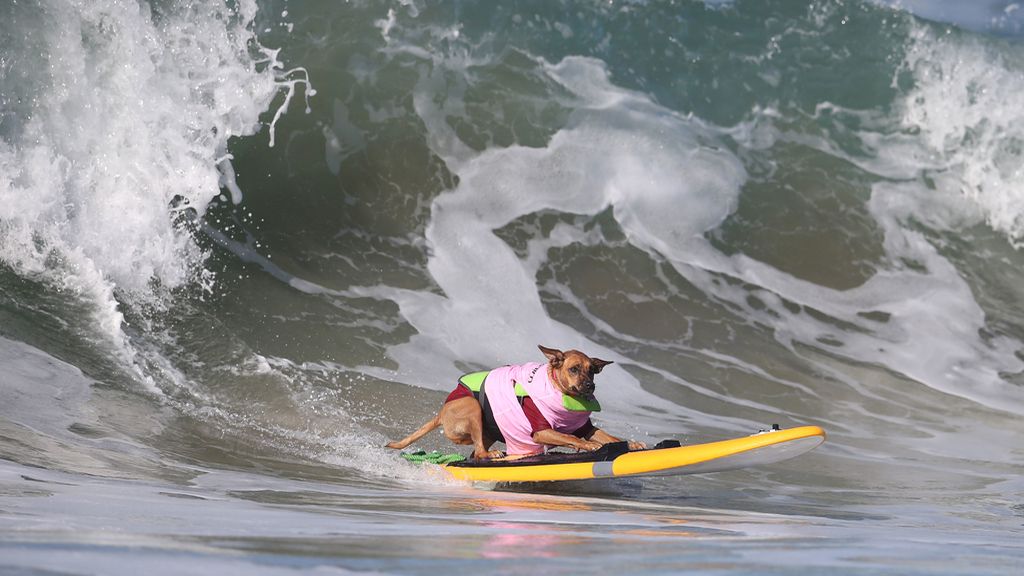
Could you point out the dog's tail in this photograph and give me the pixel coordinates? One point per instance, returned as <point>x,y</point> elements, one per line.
<point>423,431</point>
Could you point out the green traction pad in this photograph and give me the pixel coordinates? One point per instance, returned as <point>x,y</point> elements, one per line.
<point>434,457</point>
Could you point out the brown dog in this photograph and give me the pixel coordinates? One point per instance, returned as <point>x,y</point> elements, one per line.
<point>569,373</point>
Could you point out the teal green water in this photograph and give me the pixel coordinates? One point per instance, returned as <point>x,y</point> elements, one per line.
<point>243,245</point>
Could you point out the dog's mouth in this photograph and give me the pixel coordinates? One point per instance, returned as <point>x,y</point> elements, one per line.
<point>585,392</point>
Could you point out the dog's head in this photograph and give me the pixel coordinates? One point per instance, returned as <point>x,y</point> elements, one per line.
<point>574,371</point>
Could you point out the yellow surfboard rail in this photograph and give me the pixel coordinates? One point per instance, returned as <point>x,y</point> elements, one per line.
<point>762,448</point>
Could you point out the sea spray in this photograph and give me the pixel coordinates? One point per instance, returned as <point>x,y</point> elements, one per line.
<point>967,104</point>
<point>123,113</point>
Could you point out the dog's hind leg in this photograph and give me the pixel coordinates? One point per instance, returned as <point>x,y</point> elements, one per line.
<point>423,431</point>
<point>463,424</point>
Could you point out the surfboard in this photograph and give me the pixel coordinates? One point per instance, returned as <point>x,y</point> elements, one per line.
<point>666,458</point>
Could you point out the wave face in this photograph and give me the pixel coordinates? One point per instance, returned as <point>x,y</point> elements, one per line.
<point>763,212</point>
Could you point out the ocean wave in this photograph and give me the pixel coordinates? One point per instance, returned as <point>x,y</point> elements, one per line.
<point>967,107</point>
<point>124,115</point>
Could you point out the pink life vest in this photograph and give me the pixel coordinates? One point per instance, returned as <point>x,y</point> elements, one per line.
<point>509,415</point>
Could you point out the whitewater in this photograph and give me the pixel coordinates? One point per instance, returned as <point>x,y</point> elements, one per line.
<point>244,244</point>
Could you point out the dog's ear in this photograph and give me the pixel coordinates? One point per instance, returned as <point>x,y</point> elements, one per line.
<point>597,364</point>
<point>555,356</point>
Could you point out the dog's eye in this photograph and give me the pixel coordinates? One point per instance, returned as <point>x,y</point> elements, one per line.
<point>574,369</point>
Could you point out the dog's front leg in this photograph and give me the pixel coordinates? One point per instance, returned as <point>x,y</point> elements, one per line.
<point>603,437</point>
<point>551,437</point>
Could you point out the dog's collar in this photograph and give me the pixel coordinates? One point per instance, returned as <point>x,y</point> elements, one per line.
<point>553,376</point>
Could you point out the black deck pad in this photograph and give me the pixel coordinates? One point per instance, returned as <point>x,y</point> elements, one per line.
<point>603,454</point>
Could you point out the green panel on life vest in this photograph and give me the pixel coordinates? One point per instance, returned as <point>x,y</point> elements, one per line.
<point>474,380</point>
<point>580,404</point>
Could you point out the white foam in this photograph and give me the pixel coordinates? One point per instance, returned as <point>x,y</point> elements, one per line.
<point>125,135</point>
<point>968,106</point>
<point>932,334</point>
<point>998,15</point>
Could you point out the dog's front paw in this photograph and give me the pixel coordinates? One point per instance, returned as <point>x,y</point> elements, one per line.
<point>488,454</point>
